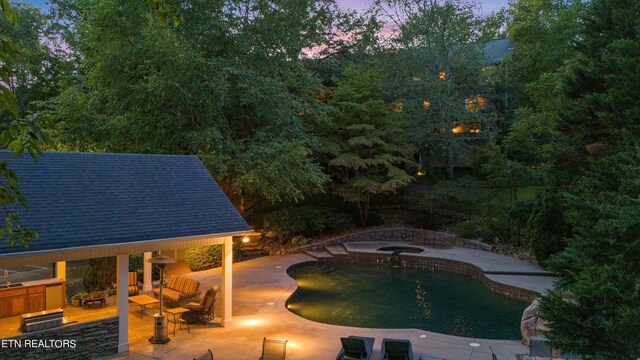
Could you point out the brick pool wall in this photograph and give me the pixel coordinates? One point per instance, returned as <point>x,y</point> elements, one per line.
<point>92,340</point>
<point>428,238</point>
<point>436,264</point>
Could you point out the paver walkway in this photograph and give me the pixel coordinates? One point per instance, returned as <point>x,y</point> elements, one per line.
<point>260,290</point>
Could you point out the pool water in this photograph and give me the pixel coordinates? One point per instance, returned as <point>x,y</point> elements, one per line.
<point>392,298</point>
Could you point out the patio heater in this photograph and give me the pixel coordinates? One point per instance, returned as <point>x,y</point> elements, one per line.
<point>160,327</point>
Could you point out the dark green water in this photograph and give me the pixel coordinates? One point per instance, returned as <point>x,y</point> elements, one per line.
<point>383,297</point>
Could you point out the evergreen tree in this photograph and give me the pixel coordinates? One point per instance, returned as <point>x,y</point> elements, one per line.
<point>595,308</point>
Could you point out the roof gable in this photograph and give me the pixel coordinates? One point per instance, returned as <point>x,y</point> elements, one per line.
<point>84,199</point>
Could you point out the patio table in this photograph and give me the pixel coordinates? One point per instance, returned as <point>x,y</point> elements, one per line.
<point>178,311</point>
<point>143,301</point>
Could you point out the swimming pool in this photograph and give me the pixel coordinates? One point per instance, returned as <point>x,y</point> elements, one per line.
<point>395,298</point>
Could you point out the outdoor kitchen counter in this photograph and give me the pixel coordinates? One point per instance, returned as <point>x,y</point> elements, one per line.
<point>31,296</point>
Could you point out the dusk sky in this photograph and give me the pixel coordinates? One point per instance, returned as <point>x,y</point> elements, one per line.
<point>488,6</point>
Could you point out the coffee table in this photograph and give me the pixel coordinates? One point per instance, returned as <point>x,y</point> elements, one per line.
<point>143,301</point>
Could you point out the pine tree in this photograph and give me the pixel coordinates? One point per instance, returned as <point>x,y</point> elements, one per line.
<point>595,308</point>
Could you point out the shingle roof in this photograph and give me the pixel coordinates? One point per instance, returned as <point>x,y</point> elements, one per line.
<point>496,50</point>
<point>80,199</point>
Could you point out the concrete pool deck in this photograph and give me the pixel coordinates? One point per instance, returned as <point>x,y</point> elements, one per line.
<point>261,288</point>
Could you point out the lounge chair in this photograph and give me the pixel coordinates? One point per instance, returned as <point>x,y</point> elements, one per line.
<point>202,312</point>
<point>274,349</point>
<point>394,349</point>
<point>207,356</point>
<point>356,347</point>
<point>133,283</point>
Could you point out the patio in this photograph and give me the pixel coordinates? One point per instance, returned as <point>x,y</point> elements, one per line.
<point>261,288</point>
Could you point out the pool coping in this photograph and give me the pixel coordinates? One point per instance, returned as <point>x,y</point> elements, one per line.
<point>293,290</point>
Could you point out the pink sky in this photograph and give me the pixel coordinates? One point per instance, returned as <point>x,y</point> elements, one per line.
<point>488,6</point>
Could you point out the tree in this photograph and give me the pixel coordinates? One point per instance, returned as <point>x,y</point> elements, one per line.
<point>224,83</point>
<point>39,67</point>
<point>595,307</point>
<point>16,134</point>
<point>501,219</point>
<point>542,32</point>
<point>599,287</point>
<point>369,138</point>
<point>437,67</point>
<point>7,52</point>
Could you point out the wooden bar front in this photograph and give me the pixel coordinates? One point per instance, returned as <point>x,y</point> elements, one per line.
<point>28,297</point>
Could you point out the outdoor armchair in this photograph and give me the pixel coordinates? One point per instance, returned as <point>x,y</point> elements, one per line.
<point>202,311</point>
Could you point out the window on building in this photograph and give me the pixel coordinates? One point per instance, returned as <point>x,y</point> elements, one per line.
<point>475,103</point>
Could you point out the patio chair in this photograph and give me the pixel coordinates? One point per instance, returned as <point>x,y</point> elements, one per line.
<point>394,349</point>
<point>356,347</point>
<point>274,349</point>
<point>133,283</point>
<point>202,312</point>
<point>207,356</point>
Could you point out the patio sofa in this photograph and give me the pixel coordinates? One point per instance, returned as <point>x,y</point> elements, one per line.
<point>133,283</point>
<point>179,289</point>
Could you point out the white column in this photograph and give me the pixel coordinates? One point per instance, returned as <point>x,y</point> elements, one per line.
<point>147,282</point>
<point>61,270</point>
<point>123,302</point>
<point>227,287</point>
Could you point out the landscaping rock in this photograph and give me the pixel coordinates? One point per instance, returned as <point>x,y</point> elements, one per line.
<point>531,324</point>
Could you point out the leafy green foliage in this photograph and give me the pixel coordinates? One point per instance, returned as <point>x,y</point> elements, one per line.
<point>223,83</point>
<point>203,257</point>
<point>18,134</point>
<point>7,52</point>
<point>440,63</point>
<point>136,262</point>
<point>542,32</point>
<point>467,229</point>
<point>372,142</point>
<point>291,221</point>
